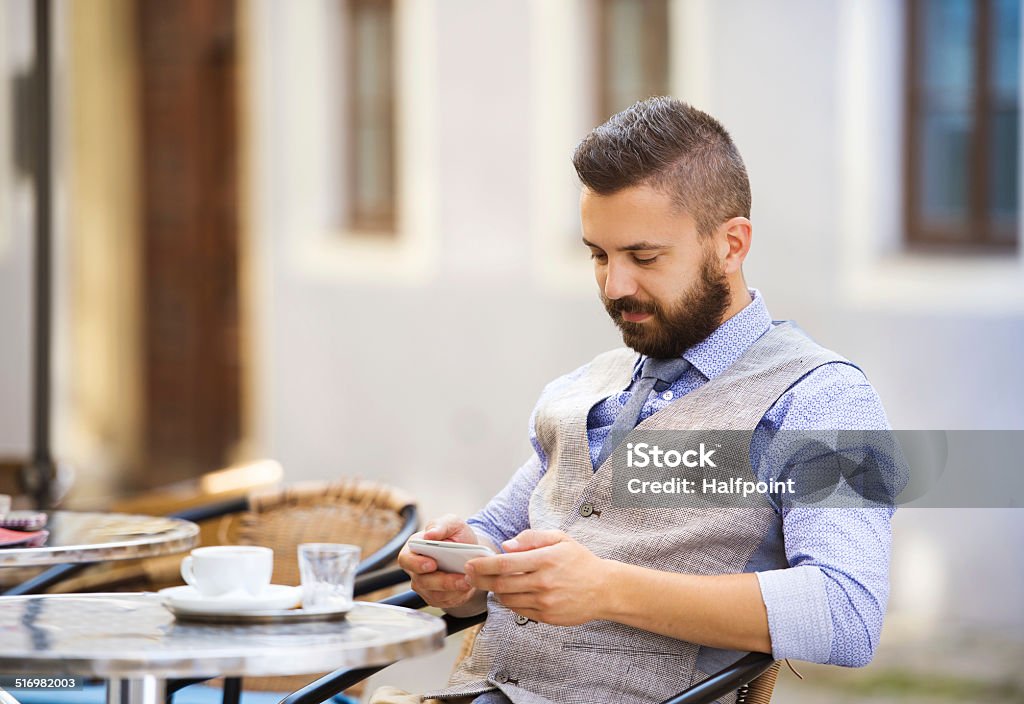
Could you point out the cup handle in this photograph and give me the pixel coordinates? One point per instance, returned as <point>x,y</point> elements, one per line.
<point>186,572</point>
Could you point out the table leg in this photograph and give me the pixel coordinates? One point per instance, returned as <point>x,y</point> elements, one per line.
<point>141,690</point>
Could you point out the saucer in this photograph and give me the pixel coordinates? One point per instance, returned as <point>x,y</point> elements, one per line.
<point>274,597</point>
<point>261,617</point>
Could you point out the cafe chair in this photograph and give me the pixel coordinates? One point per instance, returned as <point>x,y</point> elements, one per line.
<point>377,517</point>
<point>752,677</point>
<point>357,511</point>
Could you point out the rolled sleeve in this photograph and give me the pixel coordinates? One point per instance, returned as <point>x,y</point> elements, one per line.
<point>799,617</point>
<point>828,606</point>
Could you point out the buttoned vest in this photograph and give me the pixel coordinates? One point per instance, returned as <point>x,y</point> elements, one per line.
<point>603,661</point>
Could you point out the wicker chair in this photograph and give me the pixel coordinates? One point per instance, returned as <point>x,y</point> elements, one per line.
<point>360,512</point>
<point>753,676</point>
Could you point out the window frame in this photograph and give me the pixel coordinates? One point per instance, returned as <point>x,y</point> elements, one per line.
<point>660,44</point>
<point>385,221</point>
<point>979,233</point>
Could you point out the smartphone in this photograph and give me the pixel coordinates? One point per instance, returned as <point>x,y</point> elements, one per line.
<point>450,557</point>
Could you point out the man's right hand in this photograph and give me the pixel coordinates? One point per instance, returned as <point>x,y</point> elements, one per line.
<point>445,590</point>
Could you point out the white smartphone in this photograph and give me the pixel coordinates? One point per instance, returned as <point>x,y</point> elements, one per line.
<point>450,557</point>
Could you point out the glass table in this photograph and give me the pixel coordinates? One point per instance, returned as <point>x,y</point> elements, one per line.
<point>134,643</point>
<point>97,537</point>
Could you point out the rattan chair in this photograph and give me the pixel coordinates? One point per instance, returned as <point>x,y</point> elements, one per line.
<point>752,677</point>
<point>361,512</point>
<point>376,517</point>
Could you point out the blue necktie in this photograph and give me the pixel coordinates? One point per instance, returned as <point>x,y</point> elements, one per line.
<point>657,375</point>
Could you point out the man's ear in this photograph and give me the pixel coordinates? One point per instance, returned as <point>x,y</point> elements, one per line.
<point>734,243</point>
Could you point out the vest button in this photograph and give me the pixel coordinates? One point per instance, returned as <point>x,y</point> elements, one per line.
<point>587,510</point>
<point>521,620</point>
<point>501,677</point>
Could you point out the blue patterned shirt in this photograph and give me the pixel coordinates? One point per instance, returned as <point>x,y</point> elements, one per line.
<point>828,605</point>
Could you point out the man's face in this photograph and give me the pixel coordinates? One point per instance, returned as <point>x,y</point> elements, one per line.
<point>660,282</point>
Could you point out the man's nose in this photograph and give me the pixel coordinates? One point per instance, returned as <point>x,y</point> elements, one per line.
<point>618,282</point>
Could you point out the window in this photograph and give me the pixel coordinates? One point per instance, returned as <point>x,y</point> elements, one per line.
<point>371,87</point>
<point>962,123</point>
<point>633,53</point>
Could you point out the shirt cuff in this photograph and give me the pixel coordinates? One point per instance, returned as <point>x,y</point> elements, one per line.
<point>799,618</point>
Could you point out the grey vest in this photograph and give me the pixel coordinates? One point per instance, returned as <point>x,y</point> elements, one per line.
<point>603,661</point>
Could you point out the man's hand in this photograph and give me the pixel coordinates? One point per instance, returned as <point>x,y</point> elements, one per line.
<point>545,575</point>
<point>444,590</point>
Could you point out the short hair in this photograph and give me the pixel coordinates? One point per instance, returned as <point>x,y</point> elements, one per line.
<point>674,147</point>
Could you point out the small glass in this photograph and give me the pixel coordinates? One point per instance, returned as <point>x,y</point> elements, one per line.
<point>328,572</point>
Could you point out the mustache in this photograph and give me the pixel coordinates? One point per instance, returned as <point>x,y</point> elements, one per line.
<point>630,305</point>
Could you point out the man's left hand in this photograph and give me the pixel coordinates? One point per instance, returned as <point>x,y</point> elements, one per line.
<point>544,575</point>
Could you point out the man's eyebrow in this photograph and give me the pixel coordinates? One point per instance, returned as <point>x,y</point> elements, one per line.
<point>643,245</point>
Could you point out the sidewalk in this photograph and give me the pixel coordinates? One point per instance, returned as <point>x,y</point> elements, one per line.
<point>964,669</point>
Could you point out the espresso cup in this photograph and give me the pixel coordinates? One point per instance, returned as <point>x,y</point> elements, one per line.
<point>219,569</point>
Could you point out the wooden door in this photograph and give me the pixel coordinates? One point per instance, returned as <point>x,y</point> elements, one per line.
<point>189,183</point>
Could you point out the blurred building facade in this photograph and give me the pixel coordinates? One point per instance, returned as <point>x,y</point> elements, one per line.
<point>408,268</point>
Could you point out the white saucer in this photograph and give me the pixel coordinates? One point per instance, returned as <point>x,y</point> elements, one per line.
<point>274,597</point>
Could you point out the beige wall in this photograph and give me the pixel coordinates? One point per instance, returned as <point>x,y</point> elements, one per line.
<point>97,399</point>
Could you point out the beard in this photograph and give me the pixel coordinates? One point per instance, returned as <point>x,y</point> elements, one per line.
<point>677,327</point>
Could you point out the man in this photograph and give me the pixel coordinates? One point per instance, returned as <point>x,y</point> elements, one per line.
<point>589,600</point>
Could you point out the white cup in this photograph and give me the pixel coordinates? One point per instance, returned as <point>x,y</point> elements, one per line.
<point>220,569</point>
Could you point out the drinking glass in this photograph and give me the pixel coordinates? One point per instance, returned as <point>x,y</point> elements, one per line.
<point>328,572</point>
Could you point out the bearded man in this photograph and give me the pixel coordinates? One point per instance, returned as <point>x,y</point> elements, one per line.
<point>591,601</point>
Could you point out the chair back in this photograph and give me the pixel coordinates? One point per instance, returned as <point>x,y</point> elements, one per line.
<point>153,573</point>
<point>355,511</point>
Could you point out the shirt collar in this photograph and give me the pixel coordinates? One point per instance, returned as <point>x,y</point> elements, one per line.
<point>728,342</point>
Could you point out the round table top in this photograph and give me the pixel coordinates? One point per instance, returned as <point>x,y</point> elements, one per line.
<point>77,536</point>
<point>131,635</point>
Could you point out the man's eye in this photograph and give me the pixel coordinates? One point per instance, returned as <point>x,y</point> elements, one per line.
<point>598,256</point>
<point>641,260</point>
